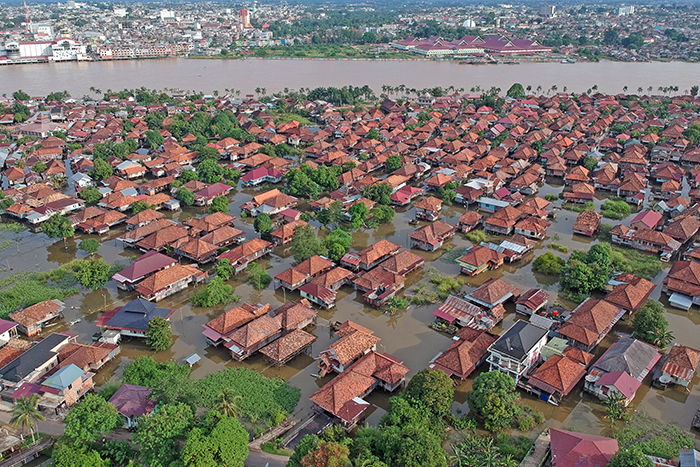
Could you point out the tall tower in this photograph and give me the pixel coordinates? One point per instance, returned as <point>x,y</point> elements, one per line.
<point>27,19</point>
<point>245,18</point>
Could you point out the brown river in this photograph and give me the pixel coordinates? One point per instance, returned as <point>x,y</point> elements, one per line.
<point>405,334</point>
<point>208,75</point>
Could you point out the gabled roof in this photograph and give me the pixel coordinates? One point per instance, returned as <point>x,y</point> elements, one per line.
<point>571,449</point>
<point>133,401</point>
<point>628,355</point>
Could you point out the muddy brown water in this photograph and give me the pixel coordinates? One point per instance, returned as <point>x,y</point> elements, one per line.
<point>275,75</point>
<point>404,335</point>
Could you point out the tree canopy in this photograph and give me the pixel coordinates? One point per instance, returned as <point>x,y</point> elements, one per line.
<point>219,204</point>
<point>493,397</point>
<point>263,224</point>
<point>226,444</point>
<point>58,227</point>
<point>433,388</point>
<point>305,244</point>
<point>158,334</point>
<point>91,419</point>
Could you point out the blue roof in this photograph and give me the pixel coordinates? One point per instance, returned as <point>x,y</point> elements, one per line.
<point>64,377</point>
<point>136,314</point>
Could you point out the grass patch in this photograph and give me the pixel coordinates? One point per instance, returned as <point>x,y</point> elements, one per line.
<point>604,232</point>
<point>288,117</point>
<point>452,255</point>
<point>517,447</point>
<point>15,227</point>
<point>441,288</point>
<point>271,396</point>
<point>476,236</point>
<point>577,207</point>
<point>558,247</point>
<point>276,447</point>
<point>652,437</point>
<point>615,209</point>
<point>423,295</point>
<point>636,262</point>
<point>5,244</point>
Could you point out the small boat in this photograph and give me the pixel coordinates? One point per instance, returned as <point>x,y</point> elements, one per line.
<point>413,222</point>
<point>75,321</point>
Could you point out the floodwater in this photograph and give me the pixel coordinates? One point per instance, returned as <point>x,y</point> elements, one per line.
<point>246,75</point>
<point>404,335</point>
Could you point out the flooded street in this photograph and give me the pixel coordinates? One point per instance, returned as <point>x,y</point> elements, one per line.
<point>404,335</point>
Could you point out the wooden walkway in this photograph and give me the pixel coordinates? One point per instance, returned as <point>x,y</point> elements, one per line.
<point>538,454</point>
<point>21,457</point>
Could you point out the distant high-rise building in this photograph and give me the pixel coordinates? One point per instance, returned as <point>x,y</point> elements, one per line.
<point>625,10</point>
<point>547,10</point>
<point>245,18</point>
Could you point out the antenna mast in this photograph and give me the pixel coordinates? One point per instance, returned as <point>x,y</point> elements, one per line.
<point>27,19</point>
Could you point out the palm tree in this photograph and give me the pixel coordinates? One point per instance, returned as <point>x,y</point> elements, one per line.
<point>226,403</point>
<point>660,337</point>
<point>624,88</point>
<point>650,88</point>
<point>640,90</point>
<point>25,414</point>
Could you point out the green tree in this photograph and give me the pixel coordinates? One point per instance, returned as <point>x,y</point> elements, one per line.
<point>383,214</point>
<point>305,244</point>
<point>101,169</point>
<point>493,398</point>
<point>185,196</point>
<point>67,454</point>
<point>332,215</point>
<point>227,403</point>
<point>208,153</point>
<point>257,276</point>
<point>516,91</point>
<point>140,206</point>
<point>336,251</point>
<point>337,236</point>
<point>90,194</point>
<point>25,414</point>
<point>214,293</point>
<point>393,162</point>
<point>263,224</point>
<point>577,277</point>
<point>58,227</point>
<point>373,134</point>
<point>93,273</point>
<point>145,371</point>
<point>433,388</point>
<point>649,321</point>
<point>379,193</point>
<point>210,171</point>
<point>92,419</point>
<point>548,263</point>
<point>39,167</point>
<point>226,445</point>
<point>219,204</point>
<point>307,444</point>
<point>630,457</point>
<point>157,433</point>
<point>20,95</point>
<point>188,176</point>
<point>359,212</point>
<point>158,334</point>
<point>154,139</point>
<point>481,451</point>
<point>224,269</point>
<point>89,245</point>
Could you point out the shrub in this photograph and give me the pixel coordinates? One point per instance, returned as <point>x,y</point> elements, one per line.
<point>558,247</point>
<point>551,197</point>
<point>526,423</point>
<point>548,263</point>
<point>476,236</point>
<point>577,207</point>
<point>615,209</point>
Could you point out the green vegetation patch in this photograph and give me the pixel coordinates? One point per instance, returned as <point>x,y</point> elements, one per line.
<point>615,209</point>
<point>558,247</point>
<point>577,207</point>
<point>636,262</point>
<point>652,437</point>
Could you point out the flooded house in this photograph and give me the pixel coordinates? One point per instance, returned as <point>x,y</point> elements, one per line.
<point>466,354</point>
<point>621,369</point>
<point>517,349</point>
